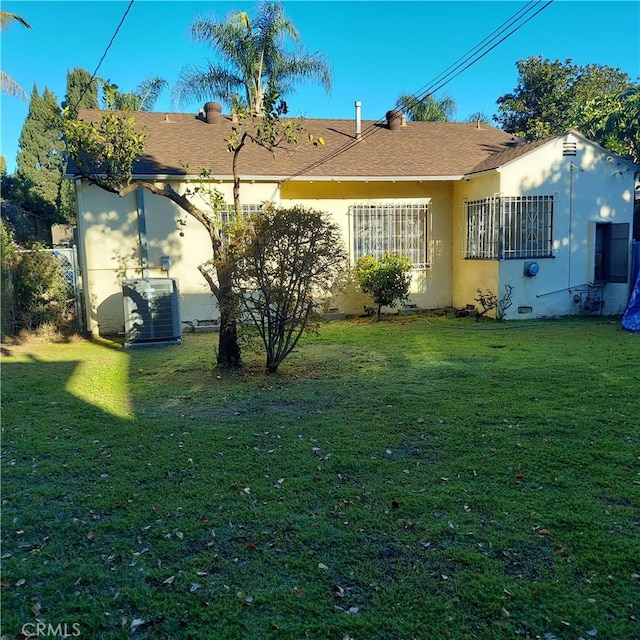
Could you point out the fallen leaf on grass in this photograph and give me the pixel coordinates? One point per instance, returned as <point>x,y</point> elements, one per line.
<point>544,532</point>
<point>169,580</point>
<point>136,624</point>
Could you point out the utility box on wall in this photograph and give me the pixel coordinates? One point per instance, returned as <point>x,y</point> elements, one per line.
<point>151,311</point>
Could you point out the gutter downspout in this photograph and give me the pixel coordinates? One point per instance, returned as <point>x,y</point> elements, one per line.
<point>142,233</point>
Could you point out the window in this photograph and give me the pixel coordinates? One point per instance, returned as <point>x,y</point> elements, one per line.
<point>509,227</point>
<point>227,215</point>
<point>398,228</point>
<point>611,252</point>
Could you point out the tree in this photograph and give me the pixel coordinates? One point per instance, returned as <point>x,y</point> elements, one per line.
<point>82,91</point>
<point>427,108</point>
<point>271,132</point>
<point>142,98</point>
<point>257,61</point>
<point>614,121</point>
<point>253,54</point>
<point>478,116</point>
<point>104,153</point>
<point>386,280</point>
<point>41,158</point>
<point>9,85</point>
<point>292,261</point>
<point>550,96</point>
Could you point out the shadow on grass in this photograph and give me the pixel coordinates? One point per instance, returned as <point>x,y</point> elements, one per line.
<point>383,480</point>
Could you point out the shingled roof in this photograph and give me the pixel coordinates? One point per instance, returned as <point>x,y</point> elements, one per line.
<point>417,150</point>
<point>517,149</point>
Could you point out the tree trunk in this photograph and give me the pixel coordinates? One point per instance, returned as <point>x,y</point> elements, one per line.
<point>228,347</point>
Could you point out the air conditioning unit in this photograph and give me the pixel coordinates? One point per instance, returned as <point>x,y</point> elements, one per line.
<point>151,312</point>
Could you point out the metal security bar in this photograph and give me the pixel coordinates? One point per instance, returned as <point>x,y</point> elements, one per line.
<point>483,228</point>
<point>227,216</point>
<point>397,228</point>
<point>526,226</point>
<point>509,227</point>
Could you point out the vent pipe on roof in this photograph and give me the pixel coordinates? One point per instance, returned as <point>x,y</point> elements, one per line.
<point>213,112</point>
<point>358,120</point>
<point>394,119</point>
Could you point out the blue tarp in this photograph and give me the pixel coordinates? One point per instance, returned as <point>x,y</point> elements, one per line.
<point>631,316</point>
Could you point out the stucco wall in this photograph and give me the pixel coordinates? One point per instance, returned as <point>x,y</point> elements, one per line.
<point>586,188</point>
<point>471,275</point>
<point>431,287</point>
<point>589,187</point>
<point>112,229</point>
<point>112,251</point>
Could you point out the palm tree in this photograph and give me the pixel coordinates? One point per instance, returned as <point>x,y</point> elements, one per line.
<point>254,59</point>
<point>478,116</point>
<point>427,108</point>
<point>143,98</point>
<point>9,85</point>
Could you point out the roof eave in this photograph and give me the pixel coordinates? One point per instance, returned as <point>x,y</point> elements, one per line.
<point>477,174</point>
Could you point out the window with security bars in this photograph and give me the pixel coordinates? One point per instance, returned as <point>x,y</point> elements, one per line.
<point>397,228</point>
<point>509,227</point>
<point>227,216</point>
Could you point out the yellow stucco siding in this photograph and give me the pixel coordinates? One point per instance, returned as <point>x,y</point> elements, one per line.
<point>589,187</point>
<point>431,287</point>
<point>471,275</point>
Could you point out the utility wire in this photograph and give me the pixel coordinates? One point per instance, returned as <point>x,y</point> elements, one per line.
<point>467,60</point>
<point>458,63</point>
<point>104,55</point>
<point>484,53</point>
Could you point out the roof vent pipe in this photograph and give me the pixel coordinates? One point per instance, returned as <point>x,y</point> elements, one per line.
<point>213,112</point>
<point>358,120</point>
<point>394,119</point>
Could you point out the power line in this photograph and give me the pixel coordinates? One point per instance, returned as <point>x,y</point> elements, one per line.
<point>427,90</point>
<point>466,61</point>
<point>104,55</point>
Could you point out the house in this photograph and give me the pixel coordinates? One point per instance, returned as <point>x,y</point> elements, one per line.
<point>550,221</point>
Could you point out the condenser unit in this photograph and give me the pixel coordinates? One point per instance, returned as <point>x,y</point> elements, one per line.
<point>151,311</point>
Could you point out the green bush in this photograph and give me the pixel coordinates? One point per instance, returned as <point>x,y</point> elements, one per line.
<point>9,257</point>
<point>35,291</point>
<point>386,280</point>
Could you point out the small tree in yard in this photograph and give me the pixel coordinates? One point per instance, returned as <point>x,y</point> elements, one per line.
<point>292,261</point>
<point>386,280</point>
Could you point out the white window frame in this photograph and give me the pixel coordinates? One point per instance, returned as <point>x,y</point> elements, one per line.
<point>505,227</point>
<point>393,227</point>
<point>227,213</point>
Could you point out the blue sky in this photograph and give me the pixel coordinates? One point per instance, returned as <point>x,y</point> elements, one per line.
<point>376,49</point>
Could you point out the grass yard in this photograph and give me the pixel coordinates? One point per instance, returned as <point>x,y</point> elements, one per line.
<point>429,478</point>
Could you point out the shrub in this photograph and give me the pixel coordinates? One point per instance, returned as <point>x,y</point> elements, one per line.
<point>386,280</point>
<point>291,262</point>
<point>8,260</point>
<point>37,291</point>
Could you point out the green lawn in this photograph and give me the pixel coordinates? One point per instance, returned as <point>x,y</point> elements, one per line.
<point>427,478</point>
